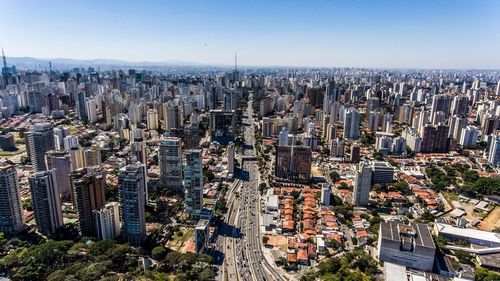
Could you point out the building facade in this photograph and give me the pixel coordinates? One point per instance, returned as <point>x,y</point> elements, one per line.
<point>46,203</point>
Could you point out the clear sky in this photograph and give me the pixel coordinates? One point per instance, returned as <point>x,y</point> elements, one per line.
<point>371,33</point>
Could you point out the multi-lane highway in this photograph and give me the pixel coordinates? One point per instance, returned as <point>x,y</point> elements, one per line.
<point>244,259</point>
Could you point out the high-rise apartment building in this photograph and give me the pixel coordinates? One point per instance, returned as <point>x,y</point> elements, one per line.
<point>152,119</point>
<point>170,162</point>
<point>171,116</point>
<point>40,140</point>
<point>193,182</point>
<point>11,212</point>
<point>132,185</point>
<point>107,221</point>
<point>469,136</point>
<point>351,124</point>
<point>435,138</point>
<point>362,184</point>
<point>46,202</point>
<point>60,161</point>
<point>89,186</point>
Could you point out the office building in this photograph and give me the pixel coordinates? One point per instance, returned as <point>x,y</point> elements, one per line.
<point>362,185</point>
<point>193,182</point>
<point>40,140</point>
<point>410,245</point>
<point>107,221</point>
<point>11,212</point>
<point>81,110</point>
<point>89,187</point>
<point>222,125</point>
<point>293,162</point>
<point>131,182</point>
<point>170,162</point>
<point>46,202</point>
<point>382,172</point>
<point>60,161</point>
<point>494,151</point>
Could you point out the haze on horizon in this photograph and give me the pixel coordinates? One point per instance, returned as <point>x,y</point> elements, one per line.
<point>360,33</point>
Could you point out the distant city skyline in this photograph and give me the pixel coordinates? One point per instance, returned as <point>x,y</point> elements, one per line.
<point>374,34</point>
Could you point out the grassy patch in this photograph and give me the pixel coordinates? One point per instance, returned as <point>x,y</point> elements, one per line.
<point>450,196</point>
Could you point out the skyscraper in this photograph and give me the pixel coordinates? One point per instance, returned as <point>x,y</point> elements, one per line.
<point>469,136</point>
<point>193,182</point>
<point>92,156</point>
<point>222,125</point>
<point>494,153</point>
<point>152,119</point>
<point>351,124</point>
<point>11,212</point>
<point>91,107</point>
<point>60,133</point>
<point>89,189</point>
<point>80,105</point>
<point>40,140</point>
<point>131,181</point>
<point>230,158</point>
<point>435,138</point>
<point>60,161</point>
<point>170,162</point>
<point>46,203</point>
<point>171,116</point>
<point>362,184</point>
<point>107,221</point>
<point>293,162</point>
<point>325,194</point>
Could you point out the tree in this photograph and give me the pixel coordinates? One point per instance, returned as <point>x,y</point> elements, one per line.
<point>158,253</point>
<point>483,274</point>
<point>206,274</point>
<point>265,239</point>
<point>101,247</point>
<point>334,176</point>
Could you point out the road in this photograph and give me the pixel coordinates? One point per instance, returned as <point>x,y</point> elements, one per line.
<point>244,259</point>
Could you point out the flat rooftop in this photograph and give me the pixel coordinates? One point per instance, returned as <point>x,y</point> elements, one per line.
<point>391,230</point>
<point>468,233</point>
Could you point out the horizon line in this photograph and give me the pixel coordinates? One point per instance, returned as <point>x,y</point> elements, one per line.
<point>181,62</point>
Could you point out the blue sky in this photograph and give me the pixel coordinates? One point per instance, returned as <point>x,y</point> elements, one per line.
<point>407,34</point>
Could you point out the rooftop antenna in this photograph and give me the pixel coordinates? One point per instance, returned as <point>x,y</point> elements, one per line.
<point>50,70</point>
<point>235,61</point>
<point>4,59</point>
